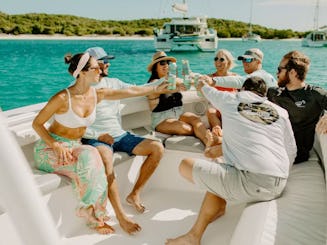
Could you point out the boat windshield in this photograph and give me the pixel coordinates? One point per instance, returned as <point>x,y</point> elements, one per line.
<point>182,29</point>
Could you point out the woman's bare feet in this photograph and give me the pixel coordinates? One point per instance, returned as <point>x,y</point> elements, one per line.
<point>217,131</point>
<point>95,223</point>
<point>213,149</point>
<point>209,137</point>
<point>88,214</point>
<point>104,229</point>
<point>129,225</point>
<point>134,201</point>
<point>213,152</point>
<point>187,239</point>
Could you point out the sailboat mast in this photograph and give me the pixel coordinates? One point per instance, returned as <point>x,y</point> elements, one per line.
<point>316,17</point>
<point>251,12</point>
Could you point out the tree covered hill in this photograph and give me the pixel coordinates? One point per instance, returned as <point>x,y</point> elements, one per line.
<point>38,23</point>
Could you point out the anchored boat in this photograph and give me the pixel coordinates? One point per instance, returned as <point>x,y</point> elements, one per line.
<point>186,34</point>
<point>250,36</point>
<point>318,37</point>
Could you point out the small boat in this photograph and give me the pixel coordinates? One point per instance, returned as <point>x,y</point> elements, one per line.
<point>37,208</point>
<point>250,36</point>
<point>318,37</point>
<point>185,34</point>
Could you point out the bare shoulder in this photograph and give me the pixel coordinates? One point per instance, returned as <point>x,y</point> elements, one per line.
<point>59,100</point>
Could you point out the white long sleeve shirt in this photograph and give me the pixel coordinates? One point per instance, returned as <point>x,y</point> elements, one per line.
<point>258,136</point>
<point>237,81</point>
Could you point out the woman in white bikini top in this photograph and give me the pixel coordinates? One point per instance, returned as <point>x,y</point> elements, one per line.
<point>60,151</point>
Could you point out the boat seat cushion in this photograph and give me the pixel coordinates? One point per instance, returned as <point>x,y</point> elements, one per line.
<point>297,217</point>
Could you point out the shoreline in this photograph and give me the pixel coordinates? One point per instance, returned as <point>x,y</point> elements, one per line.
<point>97,37</point>
<point>64,37</point>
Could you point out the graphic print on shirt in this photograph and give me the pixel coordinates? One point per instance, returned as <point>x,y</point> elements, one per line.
<point>300,103</point>
<point>258,112</point>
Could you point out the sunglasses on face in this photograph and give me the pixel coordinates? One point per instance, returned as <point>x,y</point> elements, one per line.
<point>219,59</point>
<point>247,60</point>
<point>280,68</point>
<point>95,68</point>
<point>164,62</point>
<point>104,61</point>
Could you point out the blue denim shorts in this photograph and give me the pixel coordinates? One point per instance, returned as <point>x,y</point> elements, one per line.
<point>125,143</point>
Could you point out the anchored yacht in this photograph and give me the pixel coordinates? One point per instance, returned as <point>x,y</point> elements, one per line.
<point>186,34</point>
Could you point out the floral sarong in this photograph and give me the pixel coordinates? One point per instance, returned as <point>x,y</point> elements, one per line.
<point>86,171</point>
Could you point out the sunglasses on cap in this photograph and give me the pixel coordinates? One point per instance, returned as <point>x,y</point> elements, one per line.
<point>280,68</point>
<point>219,59</point>
<point>164,62</point>
<point>248,60</point>
<point>104,61</point>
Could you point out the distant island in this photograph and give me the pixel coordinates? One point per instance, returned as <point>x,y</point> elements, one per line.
<point>68,25</point>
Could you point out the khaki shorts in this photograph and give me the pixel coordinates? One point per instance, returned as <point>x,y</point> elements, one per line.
<point>236,185</point>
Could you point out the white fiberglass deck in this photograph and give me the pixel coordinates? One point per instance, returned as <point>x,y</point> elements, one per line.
<point>171,213</point>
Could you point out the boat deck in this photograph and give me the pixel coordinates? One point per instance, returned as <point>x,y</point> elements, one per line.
<point>171,213</point>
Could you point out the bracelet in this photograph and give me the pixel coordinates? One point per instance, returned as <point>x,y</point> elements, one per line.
<point>213,82</point>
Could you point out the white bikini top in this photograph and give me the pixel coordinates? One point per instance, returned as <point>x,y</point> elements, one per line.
<point>70,119</point>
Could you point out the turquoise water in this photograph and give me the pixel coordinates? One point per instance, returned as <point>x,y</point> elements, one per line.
<point>31,71</point>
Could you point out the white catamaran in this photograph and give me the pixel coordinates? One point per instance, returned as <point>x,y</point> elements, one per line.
<point>37,208</point>
<point>185,33</point>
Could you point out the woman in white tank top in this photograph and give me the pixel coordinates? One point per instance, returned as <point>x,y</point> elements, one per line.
<point>60,151</point>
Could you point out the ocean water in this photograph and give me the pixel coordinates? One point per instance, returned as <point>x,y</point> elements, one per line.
<point>31,71</point>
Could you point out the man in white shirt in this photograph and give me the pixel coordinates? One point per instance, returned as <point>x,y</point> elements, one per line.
<point>258,147</point>
<point>108,136</point>
<point>252,65</point>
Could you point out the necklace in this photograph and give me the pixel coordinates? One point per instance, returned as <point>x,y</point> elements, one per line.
<point>79,92</point>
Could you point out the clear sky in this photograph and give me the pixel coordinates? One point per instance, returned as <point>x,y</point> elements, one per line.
<point>280,14</point>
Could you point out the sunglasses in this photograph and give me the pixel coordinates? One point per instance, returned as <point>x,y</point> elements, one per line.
<point>104,61</point>
<point>164,62</point>
<point>280,68</point>
<point>219,59</point>
<point>248,60</point>
<point>95,68</point>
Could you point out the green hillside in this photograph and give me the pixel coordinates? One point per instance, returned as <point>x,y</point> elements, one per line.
<point>78,26</point>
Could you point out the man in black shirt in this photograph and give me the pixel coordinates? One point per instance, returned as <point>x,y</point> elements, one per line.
<point>304,103</point>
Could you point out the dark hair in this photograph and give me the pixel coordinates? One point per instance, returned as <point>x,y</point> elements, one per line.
<point>299,62</point>
<point>73,62</point>
<point>256,85</point>
<point>154,73</point>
